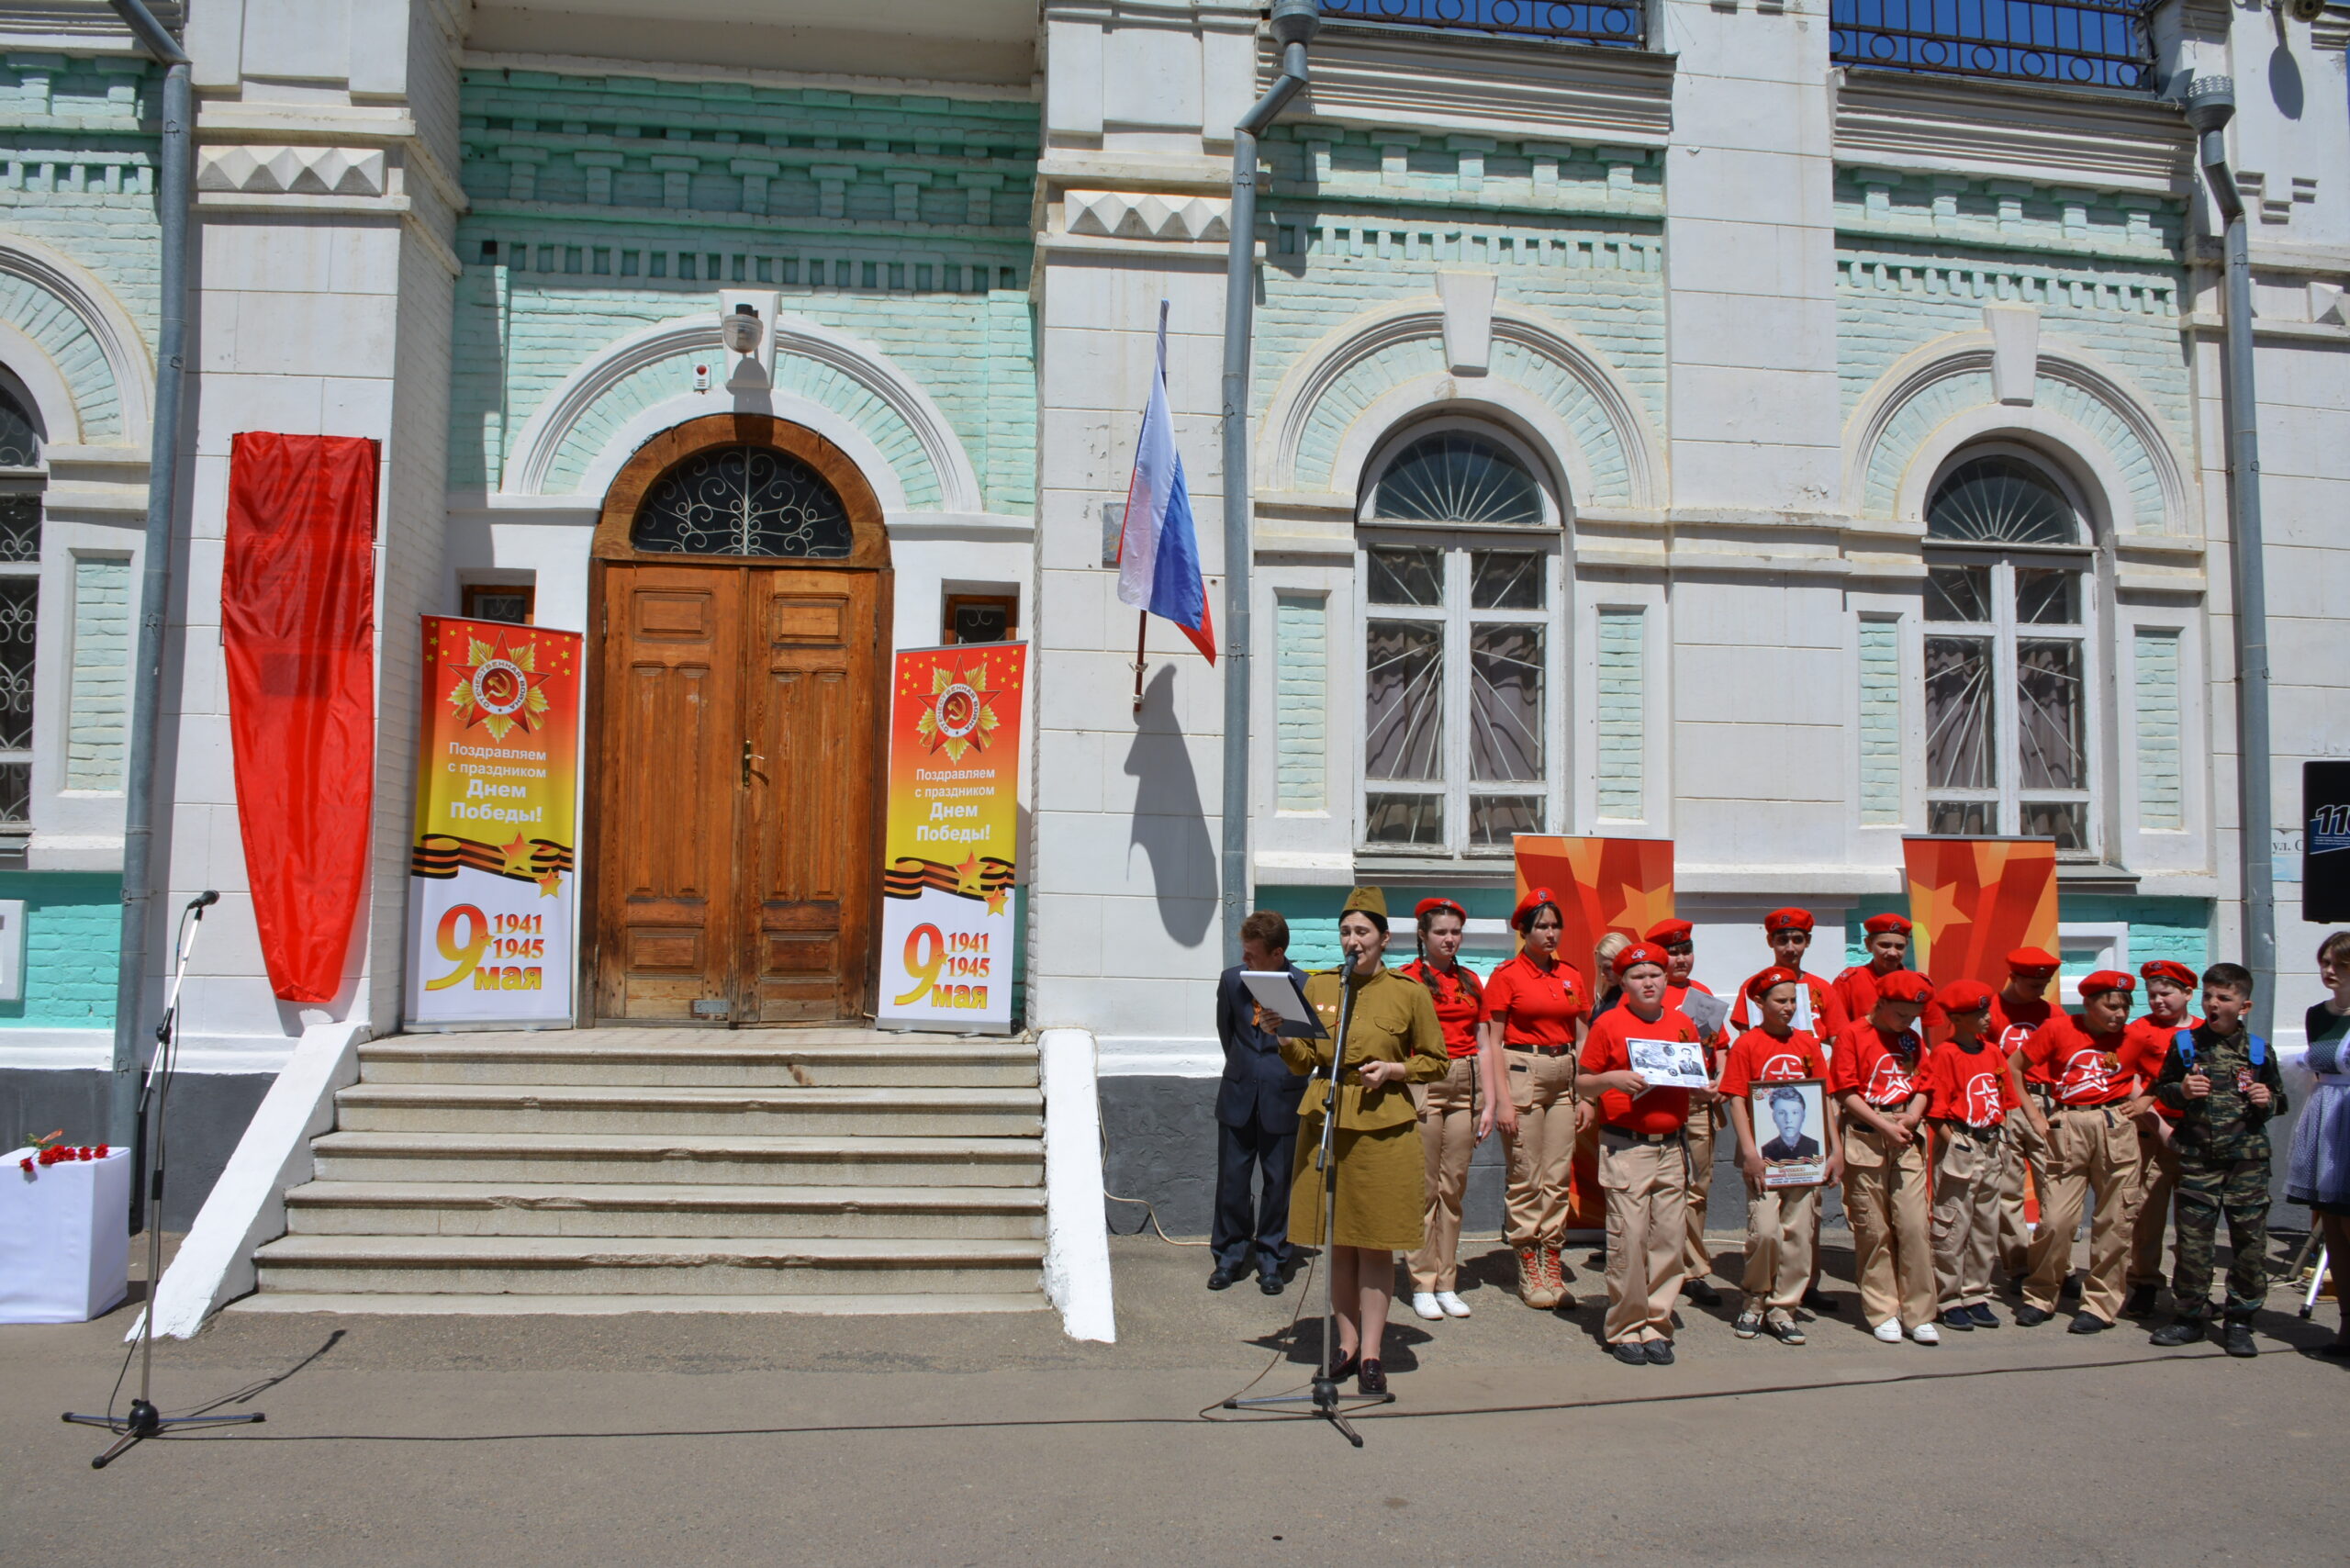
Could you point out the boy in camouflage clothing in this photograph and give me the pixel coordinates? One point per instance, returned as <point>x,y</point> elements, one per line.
<point>2225,1088</point>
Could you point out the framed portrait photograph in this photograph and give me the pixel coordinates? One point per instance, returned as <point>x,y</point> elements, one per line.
<point>1670,1064</point>
<point>1791,1131</point>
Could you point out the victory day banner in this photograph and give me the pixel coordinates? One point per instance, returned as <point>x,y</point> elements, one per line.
<point>492,891</point>
<point>1977,900</point>
<point>948,850</point>
<point>1604,885</point>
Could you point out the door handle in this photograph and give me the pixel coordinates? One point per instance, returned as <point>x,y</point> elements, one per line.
<point>749,756</point>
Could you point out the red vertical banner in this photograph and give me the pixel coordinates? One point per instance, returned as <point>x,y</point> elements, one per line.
<point>1604,885</point>
<point>1975,900</point>
<point>297,630</point>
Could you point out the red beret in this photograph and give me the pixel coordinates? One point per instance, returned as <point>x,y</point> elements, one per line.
<point>1523,917</point>
<point>2169,970</point>
<point>2032,963</point>
<point>1878,924</point>
<point>1759,986</point>
<point>2106,980</point>
<point>1638,953</point>
<point>1670,931</point>
<point>1780,920</point>
<point>1964,996</point>
<point>1427,907</point>
<point>1904,985</point>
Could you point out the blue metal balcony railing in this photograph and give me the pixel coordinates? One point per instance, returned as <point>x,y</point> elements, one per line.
<point>1620,24</point>
<point>2080,44</point>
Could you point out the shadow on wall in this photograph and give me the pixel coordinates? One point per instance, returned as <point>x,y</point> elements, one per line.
<point>1168,820</point>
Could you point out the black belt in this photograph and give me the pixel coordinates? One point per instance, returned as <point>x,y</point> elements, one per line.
<point>1628,1138</point>
<point>1991,1131</point>
<point>1540,1050</point>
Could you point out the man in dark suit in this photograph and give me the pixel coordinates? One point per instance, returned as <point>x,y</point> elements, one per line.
<point>1787,1115</point>
<point>1255,1114</point>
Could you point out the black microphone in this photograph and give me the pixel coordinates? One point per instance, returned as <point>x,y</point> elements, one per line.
<point>203,900</point>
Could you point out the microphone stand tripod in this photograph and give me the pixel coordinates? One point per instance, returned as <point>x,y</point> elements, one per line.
<point>144,1420</point>
<point>1325,1394</point>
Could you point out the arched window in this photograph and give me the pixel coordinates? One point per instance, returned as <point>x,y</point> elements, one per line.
<point>2008,606</point>
<point>743,500</point>
<point>20,529</point>
<point>1460,568</point>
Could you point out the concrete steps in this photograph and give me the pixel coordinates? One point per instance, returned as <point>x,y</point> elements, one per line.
<point>672,1170</point>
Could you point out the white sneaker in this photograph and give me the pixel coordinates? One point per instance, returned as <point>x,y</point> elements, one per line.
<point>1889,1331</point>
<point>1452,1304</point>
<point>1926,1334</point>
<point>1423,1302</point>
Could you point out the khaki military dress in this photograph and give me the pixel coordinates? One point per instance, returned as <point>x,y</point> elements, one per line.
<point>1381,1167</point>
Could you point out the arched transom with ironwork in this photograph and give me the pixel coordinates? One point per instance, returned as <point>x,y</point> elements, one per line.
<point>744,488</point>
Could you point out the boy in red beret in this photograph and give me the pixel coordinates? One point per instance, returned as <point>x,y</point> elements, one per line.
<point>2020,1007</point>
<point>2170,995</point>
<point>1643,1159</point>
<point>1968,1098</point>
<point>1886,937</point>
<point>2092,1138</point>
<point>1678,939</point>
<point>1874,1077</point>
<point>1782,1223</point>
<point>1789,933</point>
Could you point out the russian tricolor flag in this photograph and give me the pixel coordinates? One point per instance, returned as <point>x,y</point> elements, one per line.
<point>1159,553</point>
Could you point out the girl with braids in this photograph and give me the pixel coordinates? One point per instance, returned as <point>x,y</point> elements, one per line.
<point>1537,1007</point>
<point>1456,1111</point>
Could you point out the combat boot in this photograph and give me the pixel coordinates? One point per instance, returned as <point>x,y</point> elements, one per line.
<point>2236,1339</point>
<point>2185,1331</point>
<point>1554,1274</point>
<point>1533,1279</point>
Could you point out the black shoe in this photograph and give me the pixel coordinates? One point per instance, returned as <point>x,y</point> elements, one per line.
<point>1224,1277</point>
<point>2031,1316</point>
<point>1270,1283</point>
<point>1704,1294</point>
<point>1658,1352</point>
<point>2236,1339</point>
<point>1982,1316</point>
<point>1372,1378</point>
<point>2141,1302</point>
<point>1347,1368</point>
<point>1631,1355</point>
<point>2087,1322</point>
<point>2185,1331</point>
<point>1960,1318</point>
<point>1820,1300</point>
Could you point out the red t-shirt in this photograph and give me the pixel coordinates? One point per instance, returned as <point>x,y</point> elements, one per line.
<point>1457,1005</point>
<point>1856,992</point>
<point>2010,1023</point>
<point>1760,1056</point>
<point>2144,1043</point>
<point>1968,1086</point>
<point>1603,1050</point>
<point>1536,1007</point>
<point>1883,1068</point>
<point>1827,1019</point>
<point>2086,1068</point>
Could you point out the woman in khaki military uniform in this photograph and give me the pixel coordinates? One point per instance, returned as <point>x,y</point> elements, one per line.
<point>1393,1041</point>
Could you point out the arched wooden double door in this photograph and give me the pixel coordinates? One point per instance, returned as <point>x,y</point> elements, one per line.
<point>742,577</point>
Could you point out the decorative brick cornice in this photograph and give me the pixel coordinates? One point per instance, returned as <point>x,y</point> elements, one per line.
<point>292,170</point>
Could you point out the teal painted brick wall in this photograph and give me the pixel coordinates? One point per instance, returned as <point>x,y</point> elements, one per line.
<point>77,174</point>
<point>1880,735</point>
<point>2161,798</point>
<point>2178,929</point>
<point>73,939</point>
<point>1301,701</point>
<point>98,707</point>
<point>604,205</point>
<point>1623,725</point>
<point>1313,916</point>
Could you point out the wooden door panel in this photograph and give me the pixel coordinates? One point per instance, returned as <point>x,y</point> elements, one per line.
<point>809,835</point>
<point>668,927</point>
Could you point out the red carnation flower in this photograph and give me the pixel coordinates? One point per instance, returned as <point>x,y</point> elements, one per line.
<point>27,1163</point>
<point>105,1149</point>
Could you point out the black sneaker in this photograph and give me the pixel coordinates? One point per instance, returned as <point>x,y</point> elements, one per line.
<point>1958,1317</point>
<point>1983,1316</point>
<point>2141,1302</point>
<point>1660,1352</point>
<point>2185,1331</point>
<point>2031,1316</point>
<point>1631,1354</point>
<point>2087,1322</point>
<point>1784,1329</point>
<point>1701,1293</point>
<point>2236,1339</point>
<point>1748,1324</point>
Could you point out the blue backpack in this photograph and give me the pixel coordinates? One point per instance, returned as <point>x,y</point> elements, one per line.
<point>2186,1044</point>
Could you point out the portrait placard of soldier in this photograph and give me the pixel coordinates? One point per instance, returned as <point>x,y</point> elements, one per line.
<point>1670,1064</point>
<point>1795,1112</point>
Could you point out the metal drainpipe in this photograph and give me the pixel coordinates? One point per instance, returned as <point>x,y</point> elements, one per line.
<point>175,185</point>
<point>2210,104</point>
<point>1294,24</point>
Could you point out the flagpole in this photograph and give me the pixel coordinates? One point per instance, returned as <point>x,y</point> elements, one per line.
<point>1142,634</point>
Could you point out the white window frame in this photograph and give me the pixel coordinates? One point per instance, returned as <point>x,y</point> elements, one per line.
<point>33,482</point>
<point>2007,797</point>
<point>1456,618</point>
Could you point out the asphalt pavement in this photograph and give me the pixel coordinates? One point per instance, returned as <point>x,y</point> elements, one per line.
<point>995,1439</point>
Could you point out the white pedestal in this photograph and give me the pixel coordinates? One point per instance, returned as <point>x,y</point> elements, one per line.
<point>64,1238</point>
